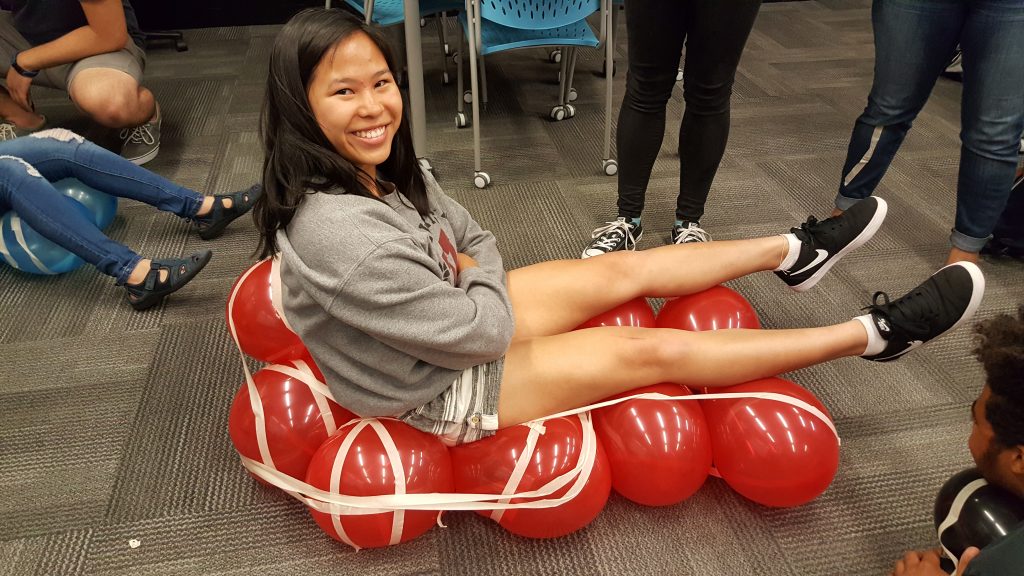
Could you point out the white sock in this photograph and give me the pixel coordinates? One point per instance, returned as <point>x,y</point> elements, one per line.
<point>792,254</point>
<point>875,341</point>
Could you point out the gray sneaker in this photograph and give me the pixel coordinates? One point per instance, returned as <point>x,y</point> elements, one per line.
<point>140,144</point>
<point>8,130</point>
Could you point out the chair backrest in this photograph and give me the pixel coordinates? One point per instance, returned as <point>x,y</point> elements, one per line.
<point>537,14</point>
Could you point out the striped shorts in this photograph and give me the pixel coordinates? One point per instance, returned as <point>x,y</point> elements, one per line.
<point>465,411</point>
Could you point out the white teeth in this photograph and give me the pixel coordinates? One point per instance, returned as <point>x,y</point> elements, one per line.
<point>370,134</point>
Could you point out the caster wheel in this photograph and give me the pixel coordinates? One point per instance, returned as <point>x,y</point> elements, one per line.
<point>446,51</point>
<point>555,56</point>
<point>460,120</point>
<point>611,167</point>
<point>423,22</point>
<point>445,79</point>
<point>679,76</point>
<point>573,95</point>
<point>558,113</point>
<point>455,58</point>
<point>481,179</point>
<point>570,110</point>
<point>467,96</point>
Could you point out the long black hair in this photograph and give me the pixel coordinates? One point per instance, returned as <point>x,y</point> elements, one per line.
<point>298,157</point>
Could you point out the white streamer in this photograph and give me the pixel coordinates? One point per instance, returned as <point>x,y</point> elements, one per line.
<point>19,234</point>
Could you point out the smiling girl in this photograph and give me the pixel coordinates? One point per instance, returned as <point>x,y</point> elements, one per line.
<point>403,301</point>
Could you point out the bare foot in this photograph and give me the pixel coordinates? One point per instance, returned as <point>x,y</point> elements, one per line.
<point>138,275</point>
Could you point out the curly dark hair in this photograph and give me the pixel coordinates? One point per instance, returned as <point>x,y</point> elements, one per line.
<point>1001,351</point>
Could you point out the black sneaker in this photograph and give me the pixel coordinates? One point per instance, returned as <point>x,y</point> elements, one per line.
<point>688,233</point>
<point>999,248</point>
<point>941,303</point>
<point>620,234</point>
<point>824,243</point>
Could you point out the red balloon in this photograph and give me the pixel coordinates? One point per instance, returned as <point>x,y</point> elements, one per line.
<point>716,308</point>
<point>771,452</point>
<point>485,466</point>
<point>659,450</point>
<point>367,470</point>
<point>259,326</point>
<point>636,312</point>
<point>297,419</point>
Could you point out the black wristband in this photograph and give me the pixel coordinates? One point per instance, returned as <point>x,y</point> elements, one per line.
<point>17,68</point>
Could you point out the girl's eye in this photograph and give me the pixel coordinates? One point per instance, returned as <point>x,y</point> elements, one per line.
<point>382,83</point>
<point>344,92</point>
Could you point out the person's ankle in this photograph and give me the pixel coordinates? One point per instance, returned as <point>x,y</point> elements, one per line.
<point>958,255</point>
<point>141,271</point>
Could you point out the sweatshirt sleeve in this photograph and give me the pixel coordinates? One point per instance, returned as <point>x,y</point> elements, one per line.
<point>470,238</point>
<point>394,295</point>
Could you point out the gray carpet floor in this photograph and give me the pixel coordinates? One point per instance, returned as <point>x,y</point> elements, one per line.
<point>114,422</point>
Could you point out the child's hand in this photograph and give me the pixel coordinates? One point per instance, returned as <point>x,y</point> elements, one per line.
<point>465,262</point>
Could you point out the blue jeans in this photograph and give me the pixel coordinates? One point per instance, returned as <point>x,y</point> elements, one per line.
<point>30,163</point>
<point>914,40</point>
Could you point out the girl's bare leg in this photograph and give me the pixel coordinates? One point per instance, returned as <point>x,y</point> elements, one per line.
<point>549,374</point>
<point>556,296</point>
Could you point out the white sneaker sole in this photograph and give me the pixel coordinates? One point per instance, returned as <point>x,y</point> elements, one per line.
<point>585,254</point>
<point>873,225</point>
<point>140,160</point>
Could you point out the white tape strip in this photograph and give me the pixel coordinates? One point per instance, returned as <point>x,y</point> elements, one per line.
<point>318,389</point>
<point>254,395</point>
<point>954,513</point>
<point>19,234</point>
<point>336,468</point>
<point>516,477</point>
<point>398,472</point>
<point>275,290</point>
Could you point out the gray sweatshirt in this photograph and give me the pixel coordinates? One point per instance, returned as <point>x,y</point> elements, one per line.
<point>375,293</point>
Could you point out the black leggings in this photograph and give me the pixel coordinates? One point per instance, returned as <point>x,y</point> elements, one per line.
<point>715,32</point>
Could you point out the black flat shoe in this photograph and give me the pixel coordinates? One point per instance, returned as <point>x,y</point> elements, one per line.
<point>212,224</point>
<point>180,271</point>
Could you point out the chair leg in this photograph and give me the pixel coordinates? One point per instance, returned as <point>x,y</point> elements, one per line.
<point>480,178</point>
<point>460,114</point>
<point>610,166</point>
<point>439,18</point>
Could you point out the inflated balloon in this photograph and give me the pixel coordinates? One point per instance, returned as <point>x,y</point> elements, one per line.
<point>297,418</point>
<point>254,310</point>
<point>772,452</point>
<point>485,466</point>
<point>102,207</point>
<point>636,312</point>
<point>659,450</point>
<point>971,512</point>
<point>27,250</point>
<point>716,308</point>
<point>365,459</point>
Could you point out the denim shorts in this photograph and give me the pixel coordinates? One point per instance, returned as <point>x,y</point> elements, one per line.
<point>466,411</point>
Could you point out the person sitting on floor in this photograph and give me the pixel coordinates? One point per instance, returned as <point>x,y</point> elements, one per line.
<point>997,447</point>
<point>29,164</point>
<point>402,299</point>
<point>91,48</point>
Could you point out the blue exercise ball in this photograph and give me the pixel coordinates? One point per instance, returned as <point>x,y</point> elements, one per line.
<point>27,250</point>
<point>102,207</point>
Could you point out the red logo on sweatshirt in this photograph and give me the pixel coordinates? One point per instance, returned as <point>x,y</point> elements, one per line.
<point>449,254</point>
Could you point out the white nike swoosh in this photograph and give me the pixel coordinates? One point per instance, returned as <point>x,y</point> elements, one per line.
<point>822,255</point>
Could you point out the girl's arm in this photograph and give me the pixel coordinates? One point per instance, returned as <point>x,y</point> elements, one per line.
<point>470,238</point>
<point>394,295</point>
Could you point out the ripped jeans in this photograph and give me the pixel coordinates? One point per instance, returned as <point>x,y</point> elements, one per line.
<point>914,40</point>
<point>30,163</point>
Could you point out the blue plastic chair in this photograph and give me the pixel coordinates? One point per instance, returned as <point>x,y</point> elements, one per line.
<point>391,12</point>
<point>501,25</point>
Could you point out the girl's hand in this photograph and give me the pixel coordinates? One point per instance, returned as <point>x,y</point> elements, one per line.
<point>465,262</point>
